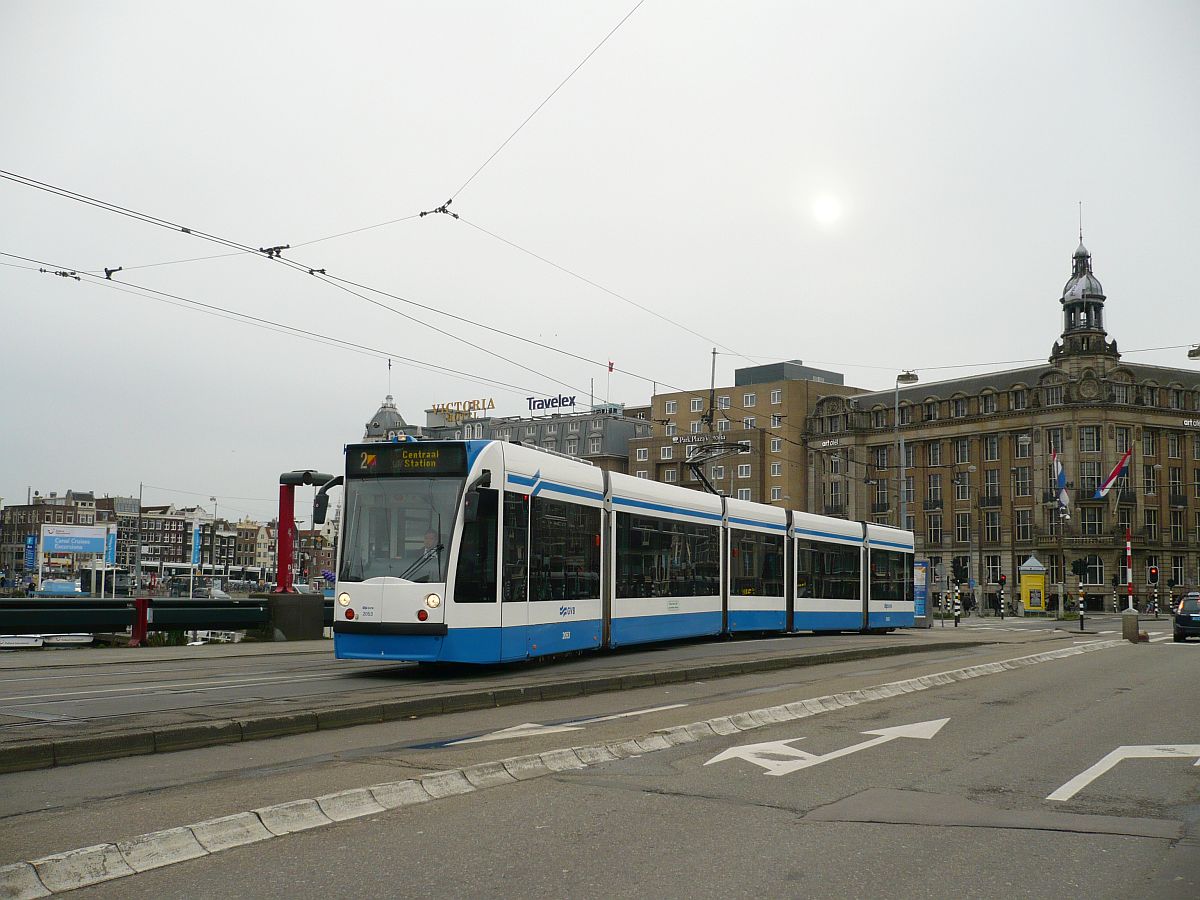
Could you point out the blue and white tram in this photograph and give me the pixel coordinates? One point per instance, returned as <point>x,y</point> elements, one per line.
<point>485,552</point>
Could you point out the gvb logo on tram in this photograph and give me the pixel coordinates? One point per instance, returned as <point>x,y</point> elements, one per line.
<point>477,551</point>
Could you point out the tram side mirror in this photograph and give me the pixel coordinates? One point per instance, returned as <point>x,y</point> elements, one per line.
<point>471,502</point>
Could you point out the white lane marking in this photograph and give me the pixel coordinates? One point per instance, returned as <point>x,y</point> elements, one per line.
<point>765,754</point>
<point>1165,637</point>
<point>1087,776</point>
<point>625,715</point>
<point>532,728</point>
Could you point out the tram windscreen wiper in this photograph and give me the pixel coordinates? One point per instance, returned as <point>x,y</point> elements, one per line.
<point>431,553</point>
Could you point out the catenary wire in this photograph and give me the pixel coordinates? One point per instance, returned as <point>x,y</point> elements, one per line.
<point>282,328</point>
<point>496,152</point>
<point>321,274</point>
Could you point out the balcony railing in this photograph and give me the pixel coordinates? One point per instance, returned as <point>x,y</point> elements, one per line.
<point>932,504</point>
<point>1178,500</point>
<point>835,509</point>
<point>989,500</point>
<point>880,506</point>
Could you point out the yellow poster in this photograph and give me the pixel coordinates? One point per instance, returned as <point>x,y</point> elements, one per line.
<point>1033,592</point>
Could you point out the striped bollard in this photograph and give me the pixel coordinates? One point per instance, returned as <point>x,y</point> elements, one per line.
<point>957,605</point>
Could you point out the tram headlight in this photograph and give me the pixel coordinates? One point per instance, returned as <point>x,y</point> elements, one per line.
<point>433,601</point>
<point>344,599</point>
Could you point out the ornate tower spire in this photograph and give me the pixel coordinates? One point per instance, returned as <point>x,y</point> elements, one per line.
<point>1083,310</point>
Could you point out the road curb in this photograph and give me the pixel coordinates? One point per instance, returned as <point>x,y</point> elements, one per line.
<point>26,756</point>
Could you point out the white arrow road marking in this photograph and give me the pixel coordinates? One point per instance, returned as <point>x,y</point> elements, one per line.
<point>1087,776</point>
<point>766,754</point>
<point>532,728</point>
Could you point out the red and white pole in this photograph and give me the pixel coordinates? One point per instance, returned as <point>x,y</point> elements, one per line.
<point>1129,568</point>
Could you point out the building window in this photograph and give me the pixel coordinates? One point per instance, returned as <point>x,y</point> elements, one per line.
<point>776,493</point>
<point>1053,394</point>
<point>748,422</point>
<point>962,451</point>
<point>991,564</point>
<point>776,396</point>
<point>666,452</point>
<point>1021,483</point>
<point>671,475</point>
<point>1024,523</point>
<point>1091,521</point>
<point>880,456</point>
<point>1178,564</point>
<point>1124,440</point>
<point>1177,526</point>
<point>743,493</point>
<point>1150,480</point>
<point>573,447</point>
<point>1151,523</point>
<point>958,407</point>
<point>931,410</point>
<point>722,425</point>
<point>776,421</point>
<point>987,404</point>
<point>910,489</point>
<point>1054,439</point>
<point>1120,393</point>
<point>1018,399</point>
<point>573,426</point>
<point>878,418</point>
<point>935,453</point>
<point>1175,398</point>
<point>749,400</point>
<point>669,429</point>
<point>1089,479</point>
<point>722,403</point>
<point>1089,438</point>
<point>934,487</point>
<point>776,469</point>
<point>991,447</point>
<point>743,471</point>
<point>670,407</point>
<point>718,472</point>
<point>1150,395</point>
<point>694,427</point>
<point>642,473</point>
<point>962,486</point>
<point>530,430</point>
<point>594,445</point>
<point>962,527</point>
<point>881,492</point>
<point>1095,570</point>
<point>552,428</point>
<point>935,528</point>
<point>696,404</point>
<point>1173,442</point>
<point>643,454</point>
<point>777,445</point>
<point>905,414</point>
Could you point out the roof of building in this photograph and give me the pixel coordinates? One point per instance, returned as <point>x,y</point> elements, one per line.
<point>387,418</point>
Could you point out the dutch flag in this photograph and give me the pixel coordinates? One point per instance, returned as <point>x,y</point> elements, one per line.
<point>1120,469</point>
<point>1060,480</point>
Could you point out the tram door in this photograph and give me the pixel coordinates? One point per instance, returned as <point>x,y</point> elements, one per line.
<point>514,585</point>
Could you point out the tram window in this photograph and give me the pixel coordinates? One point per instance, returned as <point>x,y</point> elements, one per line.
<point>891,575</point>
<point>564,560</point>
<point>475,578</point>
<point>827,571</point>
<point>665,558</point>
<point>756,564</point>
<point>516,547</point>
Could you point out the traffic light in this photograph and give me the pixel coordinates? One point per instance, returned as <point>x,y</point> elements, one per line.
<point>1171,583</point>
<point>1079,567</point>
<point>960,570</point>
<point>1115,582</point>
<point>1003,579</point>
<point>1153,576</point>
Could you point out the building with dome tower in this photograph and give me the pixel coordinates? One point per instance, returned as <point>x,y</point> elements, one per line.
<point>387,424</point>
<point>977,471</point>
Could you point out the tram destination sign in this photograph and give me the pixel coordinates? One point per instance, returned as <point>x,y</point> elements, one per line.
<point>414,458</point>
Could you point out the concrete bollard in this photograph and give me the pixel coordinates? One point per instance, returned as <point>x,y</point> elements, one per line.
<point>1129,625</point>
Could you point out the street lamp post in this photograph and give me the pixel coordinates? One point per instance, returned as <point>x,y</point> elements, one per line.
<point>905,377</point>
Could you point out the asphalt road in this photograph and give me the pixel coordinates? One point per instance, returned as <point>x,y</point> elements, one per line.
<point>963,812</point>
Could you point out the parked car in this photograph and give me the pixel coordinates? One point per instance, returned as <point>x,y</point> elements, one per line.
<point>1187,617</point>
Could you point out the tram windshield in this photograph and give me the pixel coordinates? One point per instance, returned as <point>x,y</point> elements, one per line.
<point>398,528</point>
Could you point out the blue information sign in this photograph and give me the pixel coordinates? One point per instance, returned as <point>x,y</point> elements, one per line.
<point>110,548</point>
<point>195,543</point>
<point>920,587</point>
<point>30,552</point>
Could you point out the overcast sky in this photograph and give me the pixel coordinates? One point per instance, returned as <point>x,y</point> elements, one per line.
<point>864,186</point>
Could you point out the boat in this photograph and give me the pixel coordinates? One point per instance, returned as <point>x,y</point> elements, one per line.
<point>20,641</point>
